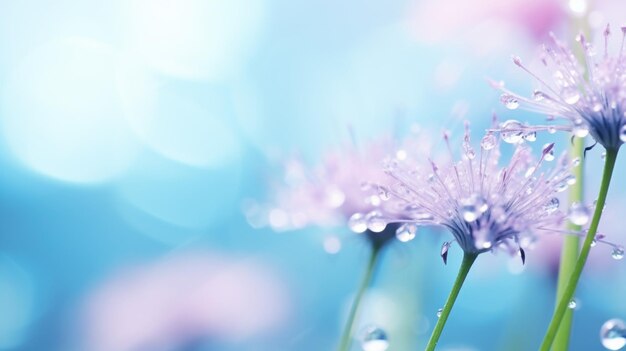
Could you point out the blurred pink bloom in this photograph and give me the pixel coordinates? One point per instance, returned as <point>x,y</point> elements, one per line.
<point>345,183</point>
<point>434,21</point>
<point>183,299</point>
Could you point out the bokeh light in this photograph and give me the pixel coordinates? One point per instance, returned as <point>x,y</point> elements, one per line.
<point>62,112</point>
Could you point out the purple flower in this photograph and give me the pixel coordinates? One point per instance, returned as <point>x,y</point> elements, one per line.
<point>588,95</point>
<point>174,302</point>
<point>484,205</point>
<point>345,189</point>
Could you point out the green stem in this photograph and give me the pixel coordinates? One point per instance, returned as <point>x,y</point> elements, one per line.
<point>571,246</point>
<point>568,293</point>
<point>347,335</point>
<point>466,264</point>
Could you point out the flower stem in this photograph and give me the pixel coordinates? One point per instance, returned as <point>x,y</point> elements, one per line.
<point>347,335</point>
<point>571,245</point>
<point>466,264</point>
<point>568,293</point>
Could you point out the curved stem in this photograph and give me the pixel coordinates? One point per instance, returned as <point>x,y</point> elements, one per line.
<point>571,246</point>
<point>347,335</point>
<point>466,264</point>
<point>568,293</point>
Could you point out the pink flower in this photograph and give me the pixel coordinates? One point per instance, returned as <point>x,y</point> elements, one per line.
<point>181,299</point>
<point>440,20</point>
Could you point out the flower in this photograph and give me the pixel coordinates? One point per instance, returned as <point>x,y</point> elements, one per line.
<point>589,94</point>
<point>183,299</point>
<point>533,16</point>
<point>484,206</point>
<point>343,190</point>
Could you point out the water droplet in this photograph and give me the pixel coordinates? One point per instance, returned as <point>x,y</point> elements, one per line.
<point>613,334</point>
<point>572,304</point>
<point>509,101</point>
<point>618,253</point>
<point>580,129</point>
<point>374,339</point>
<point>570,95</point>
<point>551,206</point>
<point>622,133</point>
<point>439,312</point>
<point>512,131</point>
<point>488,142</point>
<point>499,214</point>
<point>570,179</point>
<point>561,186</point>
<point>472,207</point>
<point>406,232</point>
<point>576,162</point>
<point>539,95</point>
<point>375,221</point>
<point>597,107</point>
<point>357,223</point>
<point>530,136</point>
<point>383,193</point>
<point>548,155</point>
<point>481,239</point>
<point>551,129</point>
<point>578,214</point>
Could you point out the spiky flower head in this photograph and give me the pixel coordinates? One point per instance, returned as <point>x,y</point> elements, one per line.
<point>484,205</point>
<point>589,94</point>
<point>344,189</point>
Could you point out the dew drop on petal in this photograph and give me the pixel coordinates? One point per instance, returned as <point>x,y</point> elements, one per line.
<point>551,206</point>
<point>530,136</point>
<point>374,339</point>
<point>572,304</point>
<point>439,312</point>
<point>509,101</point>
<point>375,221</point>
<point>549,155</point>
<point>580,129</point>
<point>578,214</point>
<point>406,232</point>
<point>561,187</point>
<point>488,142</point>
<point>512,131</point>
<point>622,133</point>
<point>613,334</point>
<point>472,207</point>
<point>597,107</point>
<point>551,129</point>
<point>618,253</point>
<point>570,179</point>
<point>570,95</point>
<point>538,95</point>
<point>383,193</point>
<point>576,162</point>
<point>357,223</point>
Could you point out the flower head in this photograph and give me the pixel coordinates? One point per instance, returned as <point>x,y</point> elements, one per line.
<point>484,205</point>
<point>343,190</point>
<point>589,94</point>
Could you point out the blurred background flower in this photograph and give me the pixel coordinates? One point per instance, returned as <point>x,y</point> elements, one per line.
<point>182,302</point>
